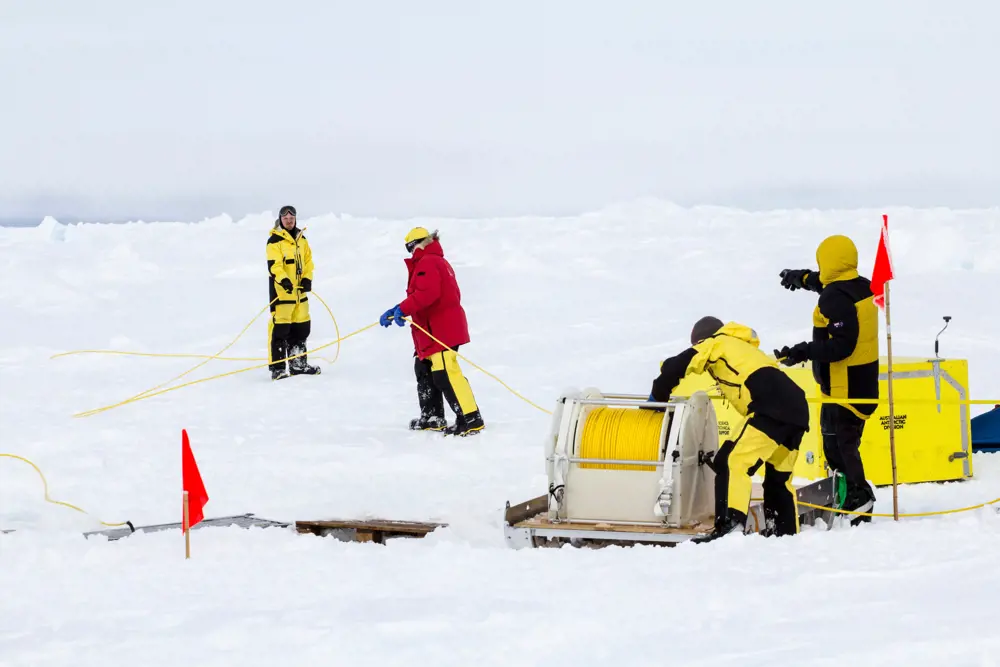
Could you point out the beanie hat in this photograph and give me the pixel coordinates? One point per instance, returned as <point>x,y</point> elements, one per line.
<point>704,328</point>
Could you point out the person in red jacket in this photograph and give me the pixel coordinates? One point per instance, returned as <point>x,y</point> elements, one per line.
<point>434,303</point>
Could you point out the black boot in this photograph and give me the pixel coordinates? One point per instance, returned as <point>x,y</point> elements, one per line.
<point>279,350</point>
<point>299,365</point>
<point>733,522</point>
<point>859,499</point>
<point>466,425</point>
<point>428,423</point>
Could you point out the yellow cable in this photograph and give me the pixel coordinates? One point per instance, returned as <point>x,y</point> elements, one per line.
<point>336,327</point>
<point>916,514</point>
<point>900,401</point>
<point>199,365</point>
<point>48,499</point>
<point>209,357</point>
<point>139,397</point>
<point>158,354</point>
<point>623,434</point>
<point>153,391</point>
<point>478,367</point>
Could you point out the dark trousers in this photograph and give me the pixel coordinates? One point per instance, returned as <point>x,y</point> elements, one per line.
<point>763,441</point>
<point>439,379</point>
<point>429,395</point>
<point>842,430</point>
<point>288,339</point>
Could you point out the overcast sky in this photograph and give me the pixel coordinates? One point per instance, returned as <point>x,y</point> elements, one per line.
<point>188,109</point>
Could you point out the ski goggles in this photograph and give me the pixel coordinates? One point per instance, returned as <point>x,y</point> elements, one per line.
<point>412,245</point>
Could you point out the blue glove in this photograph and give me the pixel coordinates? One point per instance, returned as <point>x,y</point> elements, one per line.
<point>652,400</point>
<point>393,313</point>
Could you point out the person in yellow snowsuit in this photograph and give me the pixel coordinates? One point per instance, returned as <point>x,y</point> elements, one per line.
<point>844,352</point>
<point>777,416</point>
<point>290,269</point>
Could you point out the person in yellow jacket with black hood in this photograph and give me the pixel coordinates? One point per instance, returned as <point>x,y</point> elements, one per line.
<point>777,416</point>
<point>290,269</point>
<point>844,352</point>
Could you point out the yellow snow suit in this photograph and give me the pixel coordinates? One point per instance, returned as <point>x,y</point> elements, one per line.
<point>288,257</point>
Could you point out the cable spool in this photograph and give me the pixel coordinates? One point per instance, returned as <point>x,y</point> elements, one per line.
<point>621,433</point>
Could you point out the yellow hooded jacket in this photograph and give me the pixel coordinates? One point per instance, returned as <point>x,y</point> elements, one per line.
<point>845,347</point>
<point>288,256</point>
<point>748,378</point>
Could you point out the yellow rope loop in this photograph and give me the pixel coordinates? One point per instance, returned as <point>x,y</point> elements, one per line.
<point>141,397</point>
<point>624,434</point>
<point>158,390</point>
<point>912,515</point>
<point>478,367</point>
<point>199,365</point>
<point>157,354</point>
<point>216,357</point>
<point>336,328</point>
<point>48,499</point>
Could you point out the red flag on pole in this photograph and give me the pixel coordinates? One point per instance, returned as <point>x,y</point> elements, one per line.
<point>882,273</point>
<point>195,488</point>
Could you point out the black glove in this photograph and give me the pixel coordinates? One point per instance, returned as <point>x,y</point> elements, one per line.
<point>793,279</point>
<point>796,354</point>
<point>286,284</point>
<point>306,285</point>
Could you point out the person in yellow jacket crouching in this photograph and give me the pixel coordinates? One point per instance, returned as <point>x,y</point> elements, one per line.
<point>777,416</point>
<point>290,265</point>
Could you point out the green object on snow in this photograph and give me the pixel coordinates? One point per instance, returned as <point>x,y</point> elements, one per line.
<point>839,489</point>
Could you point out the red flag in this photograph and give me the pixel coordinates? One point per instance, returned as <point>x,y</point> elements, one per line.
<point>197,496</point>
<point>882,273</point>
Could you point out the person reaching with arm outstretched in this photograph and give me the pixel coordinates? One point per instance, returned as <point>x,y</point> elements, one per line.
<point>434,303</point>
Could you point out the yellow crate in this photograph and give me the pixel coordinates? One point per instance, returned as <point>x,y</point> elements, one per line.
<point>933,441</point>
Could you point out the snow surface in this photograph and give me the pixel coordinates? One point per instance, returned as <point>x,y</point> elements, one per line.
<point>596,299</point>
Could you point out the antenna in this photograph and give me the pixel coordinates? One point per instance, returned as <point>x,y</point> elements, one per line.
<point>947,319</point>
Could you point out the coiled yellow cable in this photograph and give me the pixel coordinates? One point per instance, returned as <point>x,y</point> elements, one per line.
<point>49,499</point>
<point>621,433</point>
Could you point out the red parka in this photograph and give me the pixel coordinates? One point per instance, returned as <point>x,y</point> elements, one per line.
<point>434,301</point>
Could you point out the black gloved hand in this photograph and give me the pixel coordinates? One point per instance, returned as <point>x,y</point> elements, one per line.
<point>286,284</point>
<point>793,279</point>
<point>306,285</point>
<point>796,354</point>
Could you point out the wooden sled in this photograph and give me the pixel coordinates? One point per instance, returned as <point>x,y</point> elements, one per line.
<point>376,530</point>
<point>527,526</point>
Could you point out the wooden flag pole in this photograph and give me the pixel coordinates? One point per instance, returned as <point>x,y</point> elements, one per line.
<point>892,418</point>
<point>187,527</point>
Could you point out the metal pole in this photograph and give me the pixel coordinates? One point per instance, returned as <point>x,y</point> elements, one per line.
<point>892,419</point>
<point>187,527</point>
<point>607,401</point>
<point>624,462</point>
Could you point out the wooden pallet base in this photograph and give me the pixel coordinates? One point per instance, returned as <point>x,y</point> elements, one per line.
<point>376,530</point>
<point>538,531</point>
<point>527,524</point>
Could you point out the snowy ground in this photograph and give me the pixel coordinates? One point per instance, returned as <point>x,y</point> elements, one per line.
<point>595,300</point>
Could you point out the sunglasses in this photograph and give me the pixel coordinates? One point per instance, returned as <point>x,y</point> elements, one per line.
<point>412,245</point>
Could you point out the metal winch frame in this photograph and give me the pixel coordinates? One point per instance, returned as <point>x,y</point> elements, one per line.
<point>671,504</point>
<point>562,458</point>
